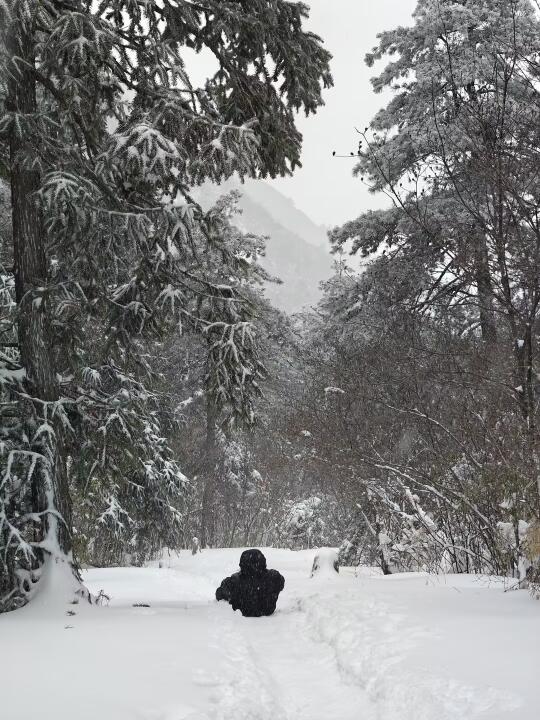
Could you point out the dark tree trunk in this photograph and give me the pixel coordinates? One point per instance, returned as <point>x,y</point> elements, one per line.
<point>50,487</point>
<point>209,472</point>
<point>385,567</point>
<point>485,292</point>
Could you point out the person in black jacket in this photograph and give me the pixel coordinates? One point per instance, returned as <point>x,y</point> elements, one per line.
<point>254,590</point>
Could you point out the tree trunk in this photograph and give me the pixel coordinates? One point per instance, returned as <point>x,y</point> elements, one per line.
<point>383,559</point>
<point>209,470</point>
<point>485,291</point>
<point>50,487</point>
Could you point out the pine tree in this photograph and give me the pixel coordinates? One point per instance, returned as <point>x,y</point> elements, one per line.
<point>102,135</point>
<point>457,150</point>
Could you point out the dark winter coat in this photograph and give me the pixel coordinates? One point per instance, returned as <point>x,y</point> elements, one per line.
<point>254,590</point>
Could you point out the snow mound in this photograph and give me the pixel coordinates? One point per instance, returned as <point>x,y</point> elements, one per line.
<point>325,563</point>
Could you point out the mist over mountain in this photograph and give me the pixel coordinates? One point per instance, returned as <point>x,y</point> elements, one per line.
<point>297,250</point>
<point>283,207</point>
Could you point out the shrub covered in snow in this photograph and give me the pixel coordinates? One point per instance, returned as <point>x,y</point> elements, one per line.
<point>304,524</point>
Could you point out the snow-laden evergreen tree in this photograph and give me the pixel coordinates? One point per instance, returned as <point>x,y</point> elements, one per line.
<point>234,324</point>
<point>240,473</point>
<point>457,149</point>
<point>102,135</point>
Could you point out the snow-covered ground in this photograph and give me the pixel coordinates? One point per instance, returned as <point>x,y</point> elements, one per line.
<point>406,647</point>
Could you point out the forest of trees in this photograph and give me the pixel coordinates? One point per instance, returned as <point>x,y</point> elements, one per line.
<point>150,394</point>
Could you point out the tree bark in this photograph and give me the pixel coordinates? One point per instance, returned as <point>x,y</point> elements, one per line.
<point>50,486</point>
<point>485,292</point>
<point>209,470</point>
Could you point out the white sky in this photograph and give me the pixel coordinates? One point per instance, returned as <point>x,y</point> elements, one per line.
<point>324,187</point>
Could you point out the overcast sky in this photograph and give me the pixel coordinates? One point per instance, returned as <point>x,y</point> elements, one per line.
<point>324,187</point>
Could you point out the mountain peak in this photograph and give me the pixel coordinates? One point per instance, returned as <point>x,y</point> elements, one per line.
<point>297,250</point>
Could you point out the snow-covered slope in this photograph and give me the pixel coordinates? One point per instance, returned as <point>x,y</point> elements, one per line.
<point>297,250</point>
<point>406,647</point>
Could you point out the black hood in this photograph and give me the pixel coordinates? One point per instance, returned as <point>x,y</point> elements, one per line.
<point>252,562</point>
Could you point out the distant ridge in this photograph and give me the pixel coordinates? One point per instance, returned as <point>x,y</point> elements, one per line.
<point>282,206</point>
<point>297,250</point>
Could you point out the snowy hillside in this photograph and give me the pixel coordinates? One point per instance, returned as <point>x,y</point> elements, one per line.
<point>297,251</point>
<point>407,647</point>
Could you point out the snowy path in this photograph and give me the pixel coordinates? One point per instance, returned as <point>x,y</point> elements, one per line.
<point>277,671</point>
<point>355,648</point>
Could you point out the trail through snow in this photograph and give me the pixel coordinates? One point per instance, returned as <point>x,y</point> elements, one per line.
<point>277,670</point>
<point>409,647</point>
